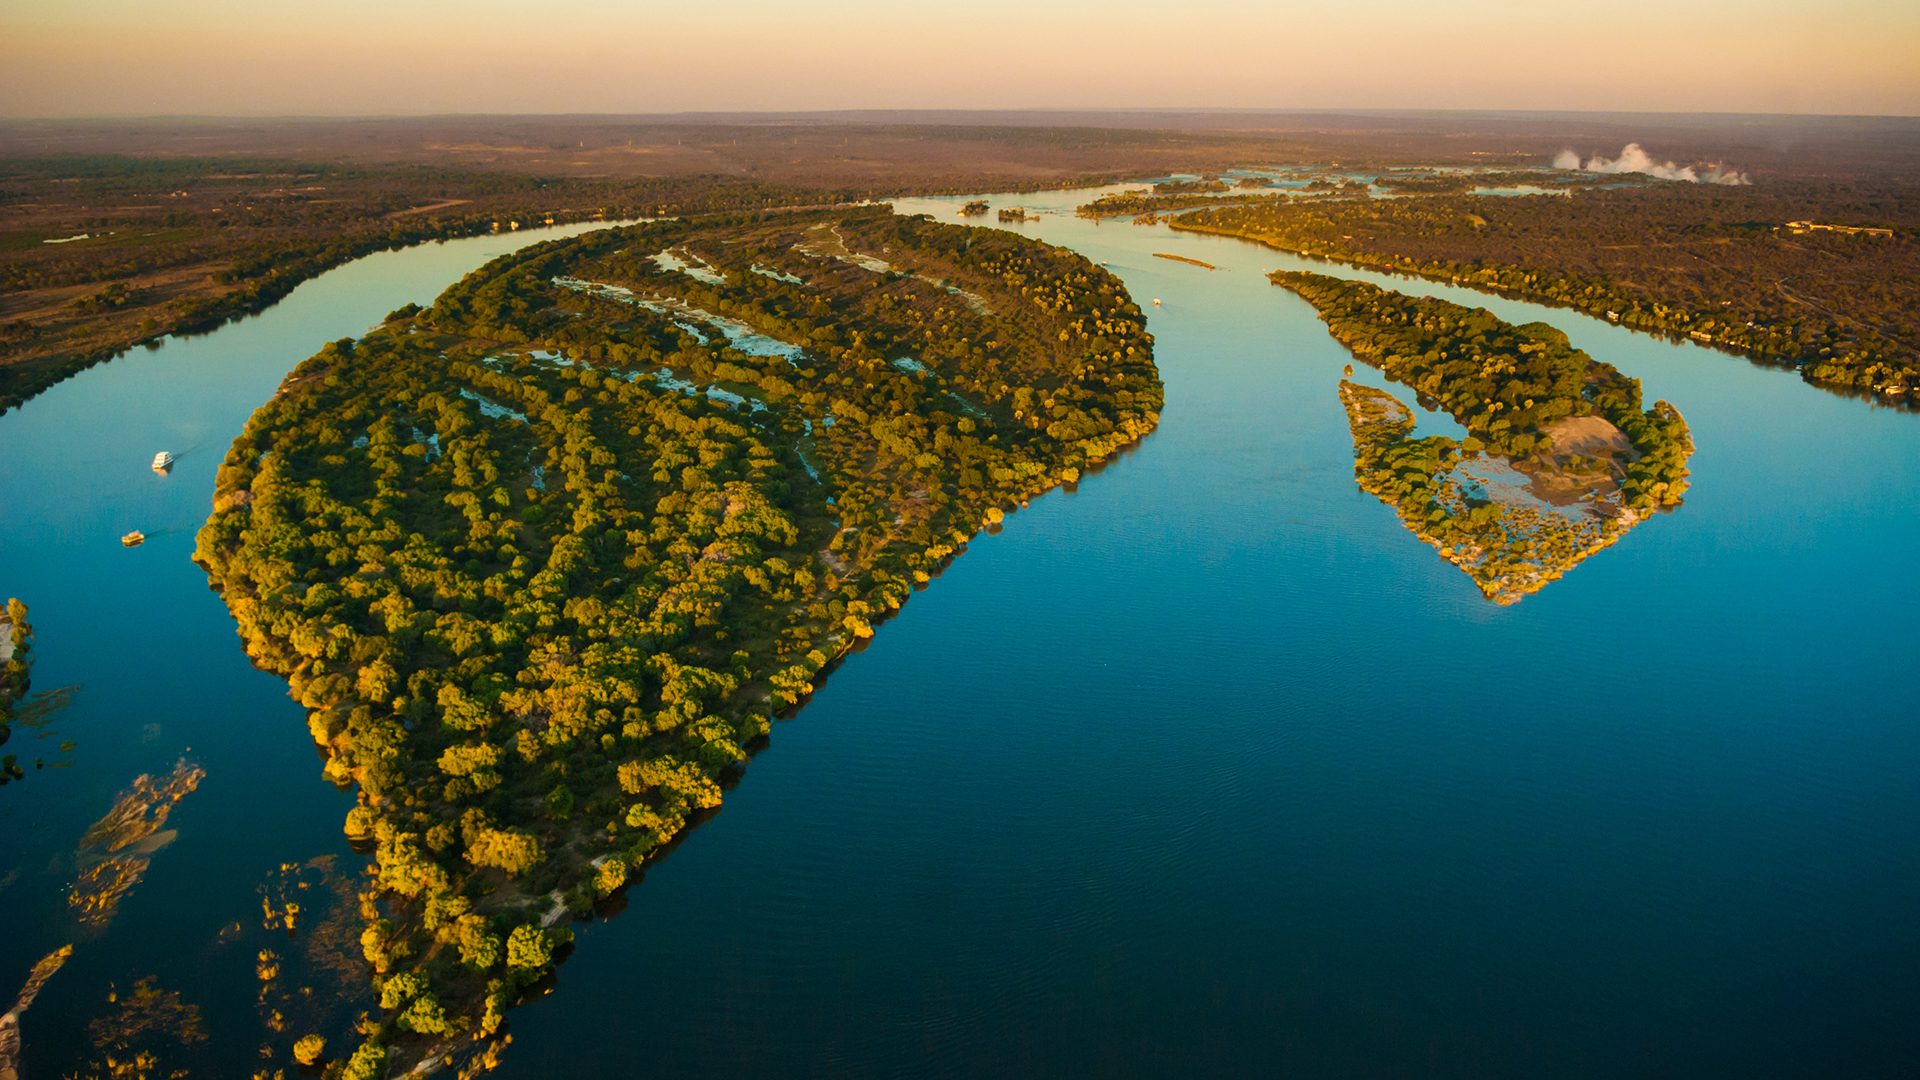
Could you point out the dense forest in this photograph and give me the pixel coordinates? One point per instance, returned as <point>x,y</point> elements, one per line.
<point>1147,201</point>
<point>103,253</point>
<point>1465,181</point>
<point>1313,183</point>
<point>544,560</point>
<point>1560,457</point>
<point>114,235</point>
<point>1717,264</point>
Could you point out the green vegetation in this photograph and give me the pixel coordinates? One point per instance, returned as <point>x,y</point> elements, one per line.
<point>1463,181</point>
<point>18,710</point>
<point>142,1024</point>
<point>1560,459</point>
<point>544,560</point>
<point>184,245</point>
<point>1120,203</point>
<point>1196,186</point>
<point>1712,263</point>
<point>309,1049</point>
<point>1201,263</point>
<point>16,638</point>
<point>14,1017</point>
<point>116,850</point>
<point>176,245</point>
<point>1167,197</point>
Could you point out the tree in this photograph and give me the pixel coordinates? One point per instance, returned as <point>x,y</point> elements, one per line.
<point>308,1049</point>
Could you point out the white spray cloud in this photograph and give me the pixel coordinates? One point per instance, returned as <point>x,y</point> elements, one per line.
<point>1633,159</point>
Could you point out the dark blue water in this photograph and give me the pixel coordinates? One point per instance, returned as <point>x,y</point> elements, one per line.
<point>1206,766</point>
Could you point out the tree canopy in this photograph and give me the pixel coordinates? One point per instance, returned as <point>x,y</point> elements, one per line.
<point>544,559</point>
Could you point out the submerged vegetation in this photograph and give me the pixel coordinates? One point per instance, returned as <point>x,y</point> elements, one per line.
<point>1560,458</point>
<point>1154,203</point>
<point>544,560</point>
<point>116,851</point>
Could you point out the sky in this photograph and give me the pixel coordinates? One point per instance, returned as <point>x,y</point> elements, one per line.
<point>81,58</point>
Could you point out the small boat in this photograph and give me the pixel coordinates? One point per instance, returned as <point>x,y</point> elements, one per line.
<point>134,538</point>
<point>162,461</point>
<point>1156,301</point>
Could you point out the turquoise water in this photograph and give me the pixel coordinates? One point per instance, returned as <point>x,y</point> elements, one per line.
<point>1205,766</point>
<point>159,671</point>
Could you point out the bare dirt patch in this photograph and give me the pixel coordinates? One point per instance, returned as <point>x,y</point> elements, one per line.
<point>1587,464</point>
<point>427,209</point>
<point>1589,436</point>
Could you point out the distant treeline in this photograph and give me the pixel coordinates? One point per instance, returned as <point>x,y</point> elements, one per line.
<point>1714,264</point>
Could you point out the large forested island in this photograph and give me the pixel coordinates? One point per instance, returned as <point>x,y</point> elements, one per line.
<point>1560,459</point>
<point>117,235</point>
<point>544,560</point>
<point>1818,276</point>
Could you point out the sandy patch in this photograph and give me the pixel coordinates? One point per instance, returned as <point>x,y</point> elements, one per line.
<point>427,209</point>
<point>1590,436</point>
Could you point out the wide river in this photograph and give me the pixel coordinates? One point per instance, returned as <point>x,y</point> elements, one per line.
<point>1208,766</point>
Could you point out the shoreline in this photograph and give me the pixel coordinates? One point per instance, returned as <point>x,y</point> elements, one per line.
<point>1204,265</point>
<point>822,600</point>
<point>1910,402</point>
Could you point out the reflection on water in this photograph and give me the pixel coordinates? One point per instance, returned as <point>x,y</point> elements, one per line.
<point>1200,768</point>
<point>144,1031</point>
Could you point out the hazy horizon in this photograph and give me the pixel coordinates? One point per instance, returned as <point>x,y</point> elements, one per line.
<point>352,58</point>
<point>930,113</point>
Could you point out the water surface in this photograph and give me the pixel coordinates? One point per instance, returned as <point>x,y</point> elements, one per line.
<point>1207,766</point>
<point>1210,766</point>
<point>159,671</point>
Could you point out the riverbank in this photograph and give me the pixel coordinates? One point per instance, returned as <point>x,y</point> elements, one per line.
<point>1592,254</point>
<point>1223,623</point>
<point>757,573</point>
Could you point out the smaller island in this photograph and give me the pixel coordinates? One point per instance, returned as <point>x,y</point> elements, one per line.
<point>16,636</point>
<point>1196,186</point>
<point>1559,459</point>
<point>1202,264</point>
<point>1149,206</point>
<point>973,208</point>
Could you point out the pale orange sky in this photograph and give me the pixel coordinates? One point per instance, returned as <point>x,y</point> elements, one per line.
<point>357,57</point>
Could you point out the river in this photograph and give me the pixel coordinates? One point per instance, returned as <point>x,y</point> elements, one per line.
<point>1206,766</point>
